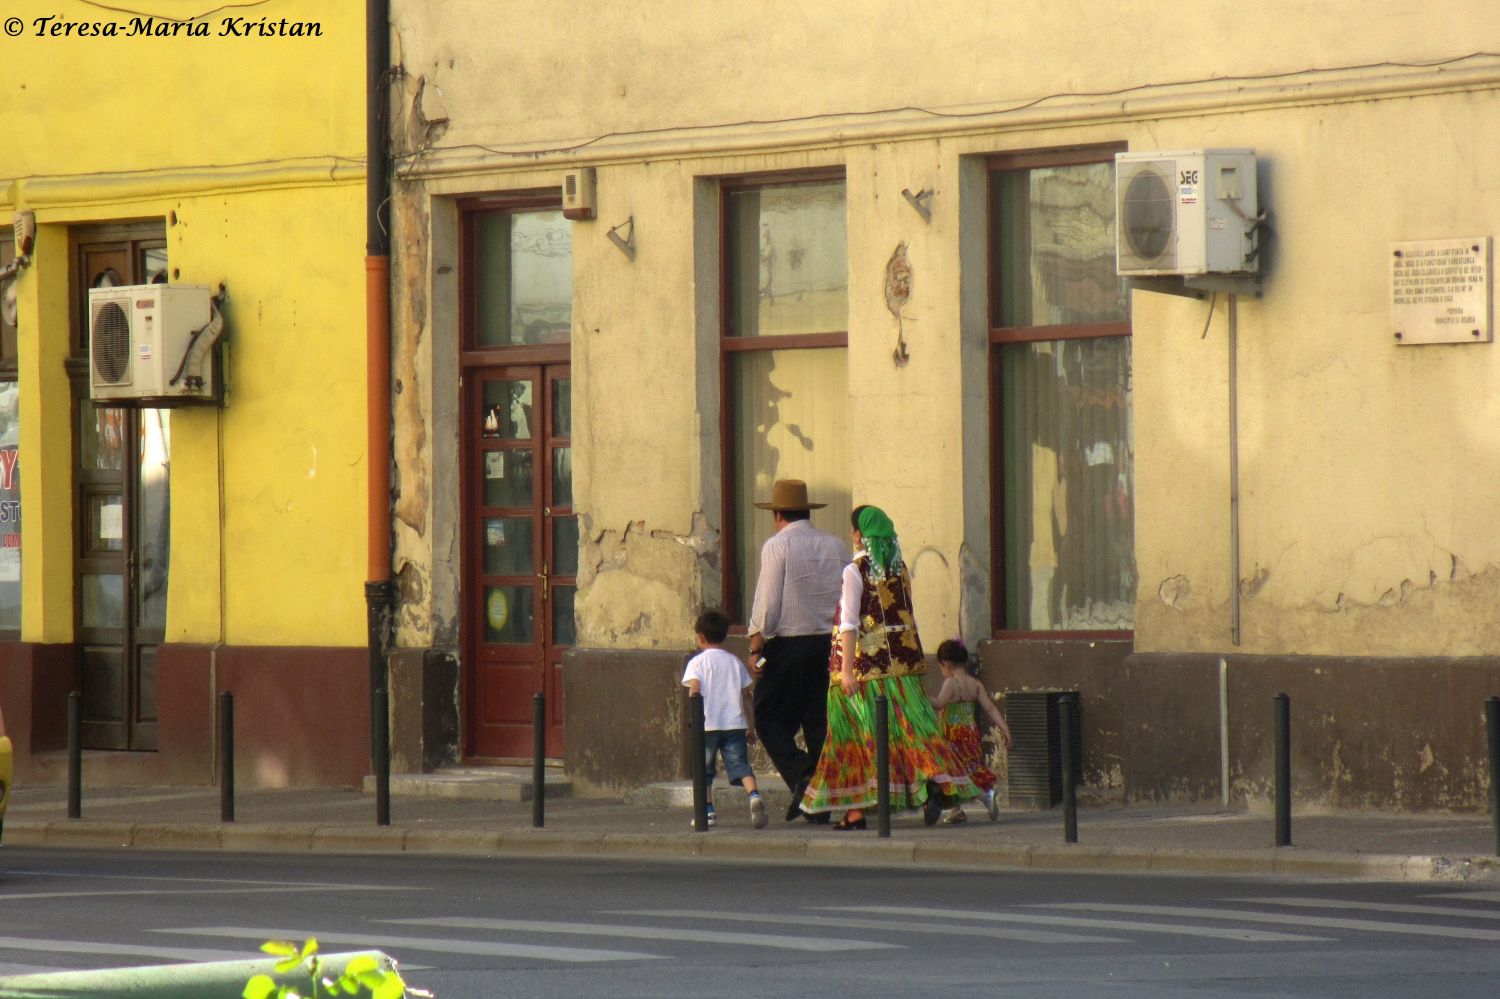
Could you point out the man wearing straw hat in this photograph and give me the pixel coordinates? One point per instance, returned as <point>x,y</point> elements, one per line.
<point>791,626</point>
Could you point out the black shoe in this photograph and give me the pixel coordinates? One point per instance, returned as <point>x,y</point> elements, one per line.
<point>794,810</point>
<point>818,818</point>
<point>932,808</point>
<point>844,825</point>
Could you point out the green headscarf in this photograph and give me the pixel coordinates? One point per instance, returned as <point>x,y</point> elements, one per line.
<point>880,536</point>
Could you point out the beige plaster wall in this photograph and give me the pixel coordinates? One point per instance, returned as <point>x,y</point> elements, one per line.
<point>1364,468</point>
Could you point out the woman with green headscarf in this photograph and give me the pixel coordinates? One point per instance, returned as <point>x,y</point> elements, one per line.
<point>877,651</point>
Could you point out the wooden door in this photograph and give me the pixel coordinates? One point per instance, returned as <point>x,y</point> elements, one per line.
<point>122,476</point>
<point>520,552</point>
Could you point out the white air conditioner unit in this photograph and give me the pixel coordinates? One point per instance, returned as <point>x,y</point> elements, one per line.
<point>1186,213</point>
<point>152,342</point>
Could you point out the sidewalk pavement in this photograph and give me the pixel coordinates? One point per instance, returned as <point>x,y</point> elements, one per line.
<point>464,812</point>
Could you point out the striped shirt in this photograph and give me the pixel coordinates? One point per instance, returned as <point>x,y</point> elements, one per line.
<point>801,571</point>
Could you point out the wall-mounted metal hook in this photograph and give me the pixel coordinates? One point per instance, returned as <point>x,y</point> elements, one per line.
<point>921,201</point>
<point>626,243</point>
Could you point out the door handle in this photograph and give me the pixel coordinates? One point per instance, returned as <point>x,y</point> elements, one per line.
<point>543,578</point>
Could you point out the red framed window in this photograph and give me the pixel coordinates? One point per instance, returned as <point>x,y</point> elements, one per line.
<point>1062,452</point>
<point>784,271</point>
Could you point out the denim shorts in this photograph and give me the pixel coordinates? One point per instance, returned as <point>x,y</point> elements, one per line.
<point>731,743</point>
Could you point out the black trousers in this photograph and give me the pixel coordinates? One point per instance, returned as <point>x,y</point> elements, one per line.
<point>792,695</point>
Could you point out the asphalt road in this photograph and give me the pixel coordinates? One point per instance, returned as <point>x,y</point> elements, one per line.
<point>475,927</point>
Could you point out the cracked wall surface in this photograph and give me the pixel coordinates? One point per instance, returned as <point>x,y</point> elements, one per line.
<point>1364,466</point>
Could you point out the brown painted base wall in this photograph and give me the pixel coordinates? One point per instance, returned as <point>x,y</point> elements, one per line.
<point>1394,734</point>
<point>35,681</point>
<point>1402,734</point>
<point>625,719</point>
<point>1095,669</point>
<point>302,716</point>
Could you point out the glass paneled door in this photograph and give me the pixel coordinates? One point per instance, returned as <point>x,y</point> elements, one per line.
<point>520,554</point>
<point>123,510</point>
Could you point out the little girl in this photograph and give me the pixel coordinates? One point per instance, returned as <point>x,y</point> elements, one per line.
<point>956,701</point>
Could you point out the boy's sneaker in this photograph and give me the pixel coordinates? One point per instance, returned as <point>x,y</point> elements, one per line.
<point>991,804</point>
<point>693,822</point>
<point>757,812</point>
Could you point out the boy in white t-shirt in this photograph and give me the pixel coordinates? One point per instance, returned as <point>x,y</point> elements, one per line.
<point>724,682</point>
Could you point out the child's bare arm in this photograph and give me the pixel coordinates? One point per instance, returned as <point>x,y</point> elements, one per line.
<point>694,686</point>
<point>995,716</point>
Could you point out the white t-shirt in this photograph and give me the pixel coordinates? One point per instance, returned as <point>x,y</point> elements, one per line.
<point>721,676</point>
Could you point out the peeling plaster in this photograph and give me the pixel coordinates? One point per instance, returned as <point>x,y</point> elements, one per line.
<point>973,595</point>
<point>412,460</point>
<point>640,587</point>
<point>1174,591</point>
<point>1256,582</point>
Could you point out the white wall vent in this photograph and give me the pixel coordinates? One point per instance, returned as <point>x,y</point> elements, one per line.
<point>152,342</point>
<point>1190,212</point>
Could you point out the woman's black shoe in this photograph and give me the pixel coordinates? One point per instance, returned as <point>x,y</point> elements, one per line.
<point>844,825</point>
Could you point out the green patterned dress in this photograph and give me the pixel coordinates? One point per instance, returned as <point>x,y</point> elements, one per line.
<point>887,660</point>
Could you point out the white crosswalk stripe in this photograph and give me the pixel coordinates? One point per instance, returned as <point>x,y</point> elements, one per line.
<point>647,933</point>
<point>431,945</point>
<point>1283,919</point>
<point>1396,907</point>
<point>832,922</point>
<point>37,947</point>
<point>1131,926</point>
<point>1469,896</point>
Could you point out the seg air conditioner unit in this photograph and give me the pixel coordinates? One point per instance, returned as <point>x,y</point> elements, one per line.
<point>153,342</point>
<point>1191,212</point>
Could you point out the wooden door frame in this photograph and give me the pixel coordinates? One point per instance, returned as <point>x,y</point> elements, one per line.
<point>132,240</point>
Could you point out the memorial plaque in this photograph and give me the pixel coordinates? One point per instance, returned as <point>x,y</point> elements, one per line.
<point>1440,291</point>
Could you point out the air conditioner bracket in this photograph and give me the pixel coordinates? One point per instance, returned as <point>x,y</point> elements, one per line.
<point>1200,287</point>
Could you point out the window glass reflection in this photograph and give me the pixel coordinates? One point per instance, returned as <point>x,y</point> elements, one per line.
<point>788,260</point>
<point>10,506</point>
<point>508,614</point>
<point>525,278</point>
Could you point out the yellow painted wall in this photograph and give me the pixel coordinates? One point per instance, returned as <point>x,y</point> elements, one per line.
<point>1365,468</point>
<point>251,152</point>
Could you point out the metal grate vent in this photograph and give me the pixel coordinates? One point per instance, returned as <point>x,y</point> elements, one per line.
<point>1035,778</point>
<point>109,344</point>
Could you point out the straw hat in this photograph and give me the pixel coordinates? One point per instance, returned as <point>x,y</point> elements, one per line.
<point>789,494</point>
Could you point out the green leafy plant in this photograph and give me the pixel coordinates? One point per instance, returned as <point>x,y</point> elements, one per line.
<point>361,973</point>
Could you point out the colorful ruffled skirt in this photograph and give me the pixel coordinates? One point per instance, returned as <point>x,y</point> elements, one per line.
<point>962,733</point>
<point>919,754</point>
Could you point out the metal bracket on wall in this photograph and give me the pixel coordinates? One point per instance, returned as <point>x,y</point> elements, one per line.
<point>1200,288</point>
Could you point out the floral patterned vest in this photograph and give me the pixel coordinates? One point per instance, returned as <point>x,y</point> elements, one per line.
<point>886,643</point>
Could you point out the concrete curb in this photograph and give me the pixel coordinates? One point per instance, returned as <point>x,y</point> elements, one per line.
<point>723,846</point>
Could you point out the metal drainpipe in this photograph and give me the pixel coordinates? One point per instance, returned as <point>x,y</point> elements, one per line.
<point>378,590</point>
<point>1234,474</point>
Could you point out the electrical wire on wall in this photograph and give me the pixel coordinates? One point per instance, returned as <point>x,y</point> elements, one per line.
<point>1139,88</point>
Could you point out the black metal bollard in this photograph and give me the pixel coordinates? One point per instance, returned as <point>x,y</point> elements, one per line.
<point>1492,724</point>
<point>538,760</point>
<point>1283,770</point>
<point>226,756</point>
<point>1066,722</point>
<point>380,711</point>
<point>75,755</point>
<point>883,765</point>
<point>700,787</point>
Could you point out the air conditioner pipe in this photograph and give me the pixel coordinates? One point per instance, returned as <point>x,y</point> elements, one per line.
<point>1234,472</point>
